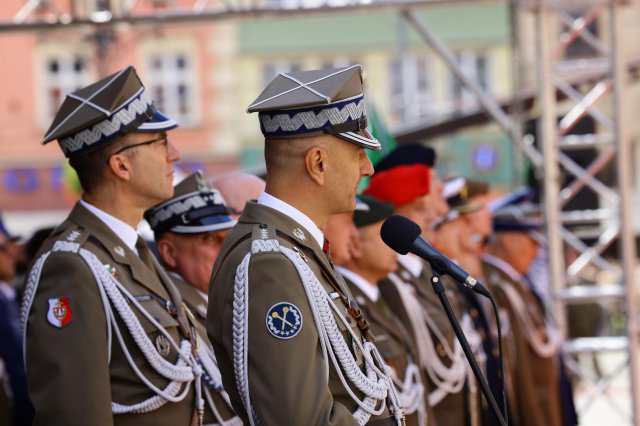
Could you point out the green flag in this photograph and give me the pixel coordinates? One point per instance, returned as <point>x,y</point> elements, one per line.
<point>380,131</point>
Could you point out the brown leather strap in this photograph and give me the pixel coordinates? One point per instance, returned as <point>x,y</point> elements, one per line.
<point>352,307</point>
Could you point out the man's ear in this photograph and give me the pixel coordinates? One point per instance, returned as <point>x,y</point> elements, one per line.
<point>120,165</point>
<point>317,162</point>
<point>167,252</point>
<point>356,247</point>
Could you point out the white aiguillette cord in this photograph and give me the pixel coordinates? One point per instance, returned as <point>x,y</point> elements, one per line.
<point>113,294</point>
<point>375,383</point>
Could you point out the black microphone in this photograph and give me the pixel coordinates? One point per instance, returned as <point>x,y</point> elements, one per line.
<point>403,236</point>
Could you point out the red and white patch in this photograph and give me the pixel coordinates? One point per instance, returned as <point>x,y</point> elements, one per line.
<point>59,314</point>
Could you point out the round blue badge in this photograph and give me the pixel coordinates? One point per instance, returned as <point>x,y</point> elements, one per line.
<point>284,320</point>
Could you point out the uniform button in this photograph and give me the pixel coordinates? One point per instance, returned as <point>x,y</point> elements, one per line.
<point>347,316</point>
<point>495,352</point>
<point>440,349</point>
<point>474,313</point>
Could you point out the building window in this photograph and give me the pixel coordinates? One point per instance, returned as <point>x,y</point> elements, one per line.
<point>63,74</point>
<point>271,69</point>
<point>475,66</point>
<point>340,62</point>
<point>411,91</point>
<point>171,81</point>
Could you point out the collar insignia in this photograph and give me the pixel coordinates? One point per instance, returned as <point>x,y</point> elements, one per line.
<point>297,232</point>
<point>162,345</point>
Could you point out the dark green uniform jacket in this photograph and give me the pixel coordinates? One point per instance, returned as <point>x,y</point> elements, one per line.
<point>288,382</point>
<point>198,307</point>
<point>71,379</point>
<point>391,338</point>
<point>534,380</point>
<point>455,408</point>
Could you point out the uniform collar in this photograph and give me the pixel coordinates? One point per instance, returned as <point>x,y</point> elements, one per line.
<point>295,214</point>
<point>176,278</point>
<point>503,266</point>
<point>127,234</point>
<point>411,263</point>
<point>8,291</point>
<point>371,291</point>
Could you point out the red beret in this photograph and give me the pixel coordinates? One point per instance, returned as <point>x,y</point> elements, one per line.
<point>400,185</point>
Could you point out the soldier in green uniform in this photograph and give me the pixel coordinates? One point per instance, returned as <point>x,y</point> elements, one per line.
<point>405,179</point>
<point>107,338</point>
<point>189,230</point>
<point>532,347</point>
<point>292,345</point>
<point>371,261</point>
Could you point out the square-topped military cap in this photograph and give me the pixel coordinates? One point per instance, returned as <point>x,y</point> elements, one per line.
<point>316,102</point>
<point>196,207</point>
<point>97,114</point>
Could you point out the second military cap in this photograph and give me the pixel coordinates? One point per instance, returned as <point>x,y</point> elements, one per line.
<point>196,207</point>
<point>400,185</point>
<point>407,154</point>
<point>523,217</point>
<point>111,107</point>
<point>376,211</point>
<point>316,102</point>
<point>458,192</point>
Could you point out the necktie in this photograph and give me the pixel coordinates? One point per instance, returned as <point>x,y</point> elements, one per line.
<point>326,248</point>
<point>145,254</point>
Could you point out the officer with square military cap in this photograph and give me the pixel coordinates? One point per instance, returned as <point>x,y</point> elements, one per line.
<point>189,230</point>
<point>292,345</point>
<point>108,340</point>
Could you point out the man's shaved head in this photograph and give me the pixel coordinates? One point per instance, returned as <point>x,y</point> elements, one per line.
<point>237,188</point>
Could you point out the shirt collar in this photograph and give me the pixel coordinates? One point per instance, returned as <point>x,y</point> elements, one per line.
<point>412,263</point>
<point>295,214</point>
<point>127,234</point>
<point>8,291</point>
<point>503,266</point>
<point>370,290</point>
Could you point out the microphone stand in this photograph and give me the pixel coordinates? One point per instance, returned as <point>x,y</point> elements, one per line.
<point>439,289</point>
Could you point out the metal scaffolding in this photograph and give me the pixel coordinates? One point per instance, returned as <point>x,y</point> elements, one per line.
<point>611,222</point>
<point>558,25</point>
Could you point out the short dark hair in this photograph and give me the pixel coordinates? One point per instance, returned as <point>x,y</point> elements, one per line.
<point>92,166</point>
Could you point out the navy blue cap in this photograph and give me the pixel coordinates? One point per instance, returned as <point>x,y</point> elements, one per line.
<point>195,208</point>
<point>523,217</point>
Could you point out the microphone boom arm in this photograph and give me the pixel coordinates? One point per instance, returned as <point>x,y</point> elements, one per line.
<point>484,387</point>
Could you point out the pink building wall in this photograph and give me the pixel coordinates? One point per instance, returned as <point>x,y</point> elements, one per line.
<point>31,175</point>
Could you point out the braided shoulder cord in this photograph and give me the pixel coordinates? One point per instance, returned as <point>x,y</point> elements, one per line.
<point>111,292</point>
<point>411,392</point>
<point>448,379</point>
<point>541,348</point>
<point>241,336</point>
<point>375,384</point>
